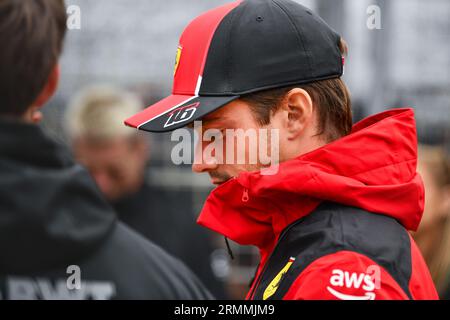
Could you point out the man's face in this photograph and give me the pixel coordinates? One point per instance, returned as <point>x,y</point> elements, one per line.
<point>235,115</point>
<point>117,164</point>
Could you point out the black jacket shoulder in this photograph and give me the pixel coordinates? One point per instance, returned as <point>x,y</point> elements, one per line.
<point>141,269</point>
<point>59,239</point>
<point>332,228</point>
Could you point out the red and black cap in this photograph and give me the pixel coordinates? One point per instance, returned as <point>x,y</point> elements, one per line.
<point>239,48</point>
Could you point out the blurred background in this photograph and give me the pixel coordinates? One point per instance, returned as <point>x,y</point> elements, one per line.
<point>132,45</point>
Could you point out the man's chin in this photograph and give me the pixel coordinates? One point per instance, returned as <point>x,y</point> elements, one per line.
<point>217,181</point>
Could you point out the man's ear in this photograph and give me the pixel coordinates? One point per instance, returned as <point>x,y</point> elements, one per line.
<point>49,88</point>
<point>299,108</point>
<point>33,114</point>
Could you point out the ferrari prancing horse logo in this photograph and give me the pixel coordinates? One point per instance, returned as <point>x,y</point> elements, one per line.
<point>275,283</point>
<point>177,60</point>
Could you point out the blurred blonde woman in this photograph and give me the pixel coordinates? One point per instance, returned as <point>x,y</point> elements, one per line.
<point>433,236</point>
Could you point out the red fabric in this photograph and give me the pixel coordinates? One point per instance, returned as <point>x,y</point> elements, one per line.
<point>156,110</point>
<point>194,43</point>
<point>194,46</point>
<point>373,168</point>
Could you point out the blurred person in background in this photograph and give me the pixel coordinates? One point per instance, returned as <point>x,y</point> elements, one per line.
<point>117,158</point>
<point>433,236</point>
<point>59,238</point>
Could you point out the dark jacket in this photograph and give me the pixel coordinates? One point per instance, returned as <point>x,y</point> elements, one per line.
<point>53,221</point>
<point>333,223</point>
<point>166,218</point>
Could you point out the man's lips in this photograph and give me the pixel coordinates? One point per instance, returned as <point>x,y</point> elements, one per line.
<point>217,181</point>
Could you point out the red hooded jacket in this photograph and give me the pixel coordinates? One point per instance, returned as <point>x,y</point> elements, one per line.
<point>332,223</point>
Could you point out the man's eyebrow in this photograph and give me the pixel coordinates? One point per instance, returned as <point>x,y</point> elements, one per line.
<point>191,125</point>
<point>208,120</point>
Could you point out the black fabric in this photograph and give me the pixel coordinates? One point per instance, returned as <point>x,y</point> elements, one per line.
<point>264,44</point>
<point>332,228</point>
<point>165,218</point>
<point>52,215</point>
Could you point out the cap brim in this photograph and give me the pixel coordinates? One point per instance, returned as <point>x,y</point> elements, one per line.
<point>176,111</point>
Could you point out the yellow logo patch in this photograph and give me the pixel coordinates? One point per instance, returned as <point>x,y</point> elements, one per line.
<point>177,60</point>
<point>274,284</point>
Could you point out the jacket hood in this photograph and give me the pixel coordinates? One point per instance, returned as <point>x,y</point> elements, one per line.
<point>373,168</point>
<point>51,211</point>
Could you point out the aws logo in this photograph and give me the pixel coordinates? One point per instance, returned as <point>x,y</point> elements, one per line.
<point>343,279</point>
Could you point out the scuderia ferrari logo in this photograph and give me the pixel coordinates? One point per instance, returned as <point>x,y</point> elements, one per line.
<point>177,59</point>
<point>275,283</point>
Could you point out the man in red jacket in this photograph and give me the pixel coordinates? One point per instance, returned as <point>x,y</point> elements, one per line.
<point>331,221</point>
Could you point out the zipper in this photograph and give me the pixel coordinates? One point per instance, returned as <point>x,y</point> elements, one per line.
<point>258,281</point>
<point>245,196</point>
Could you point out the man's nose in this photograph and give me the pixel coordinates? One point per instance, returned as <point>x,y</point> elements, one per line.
<point>203,163</point>
<point>204,166</point>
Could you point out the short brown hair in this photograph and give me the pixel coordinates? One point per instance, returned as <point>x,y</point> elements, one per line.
<point>330,97</point>
<point>32,34</point>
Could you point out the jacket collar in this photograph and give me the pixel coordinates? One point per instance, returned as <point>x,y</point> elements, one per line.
<point>27,143</point>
